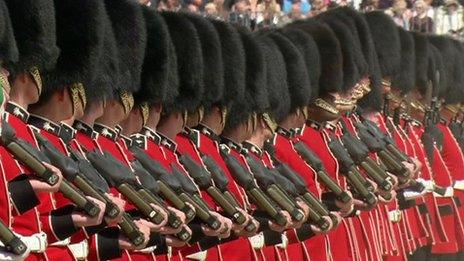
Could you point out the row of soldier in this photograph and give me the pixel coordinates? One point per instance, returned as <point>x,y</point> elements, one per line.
<point>136,135</point>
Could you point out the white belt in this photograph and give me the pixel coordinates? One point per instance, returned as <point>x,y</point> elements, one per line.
<point>80,250</point>
<point>448,193</point>
<point>284,243</point>
<point>147,250</point>
<point>257,241</point>
<point>63,242</point>
<point>428,184</point>
<point>412,194</point>
<point>459,185</point>
<point>200,256</point>
<point>36,243</point>
<point>394,216</point>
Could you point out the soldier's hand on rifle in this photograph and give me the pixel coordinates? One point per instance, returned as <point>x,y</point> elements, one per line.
<point>179,214</point>
<point>125,243</point>
<point>175,242</point>
<point>41,186</point>
<point>339,219</point>
<point>274,226</point>
<point>318,231</point>
<point>120,203</point>
<point>345,208</point>
<point>224,228</point>
<point>82,220</point>
<point>410,167</point>
<point>238,227</point>
<point>303,208</point>
<point>383,199</point>
<point>244,233</point>
<point>417,164</point>
<point>157,227</point>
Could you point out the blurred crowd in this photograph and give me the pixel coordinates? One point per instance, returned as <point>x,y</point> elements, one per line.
<point>428,16</point>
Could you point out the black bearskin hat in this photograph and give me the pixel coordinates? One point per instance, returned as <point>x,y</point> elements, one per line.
<point>308,49</point>
<point>422,52</point>
<point>404,80</point>
<point>255,97</point>
<point>234,64</point>
<point>187,46</point>
<point>159,79</point>
<point>299,85</point>
<point>80,35</point>
<point>450,62</point>
<point>106,78</point>
<point>213,71</point>
<point>437,72</point>
<point>131,37</point>
<point>34,27</point>
<point>277,87</point>
<point>331,79</point>
<point>387,42</point>
<point>350,50</point>
<point>8,48</point>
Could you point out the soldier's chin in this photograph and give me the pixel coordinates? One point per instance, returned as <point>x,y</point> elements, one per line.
<point>320,115</point>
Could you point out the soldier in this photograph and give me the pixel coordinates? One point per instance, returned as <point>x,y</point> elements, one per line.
<point>214,119</point>
<point>174,118</point>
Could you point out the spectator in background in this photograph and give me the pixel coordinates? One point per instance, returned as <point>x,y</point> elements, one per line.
<point>241,13</point>
<point>369,5</point>
<point>449,18</point>
<point>169,5</point>
<point>421,22</point>
<point>211,9</point>
<point>318,6</point>
<point>294,14</point>
<point>268,13</point>
<point>400,13</point>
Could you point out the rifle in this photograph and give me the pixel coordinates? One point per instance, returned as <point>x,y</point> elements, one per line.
<point>122,178</point>
<point>11,242</point>
<point>70,170</point>
<point>360,154</point>
<point>203,179</point>
<point>245,180</point>
<point>33,159</point>
<point>149,191</point>
<point>268,183</point>
<point>190,194</point>
<point>220,179</point>
<point>315,162</point>
<point>127,225</point>
<point>348,169</point>
<point>167,183</point>
<point>296,186</point>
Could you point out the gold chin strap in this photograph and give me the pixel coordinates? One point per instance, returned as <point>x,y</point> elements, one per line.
<point>386,83</point>
<point>201,113</point>
<point>454,108</point>
<point>417,105</point>
<point>5,83</point>
<point>185,117</point>
<point>325,106</point>
<point>145,109</point>
<point>271,124</point>
<point>127,101</point>
<point>224,112</point>
<point>254,121</point>
<point>78,96</point>
<point>35,73</point>
<point>305,112</point>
